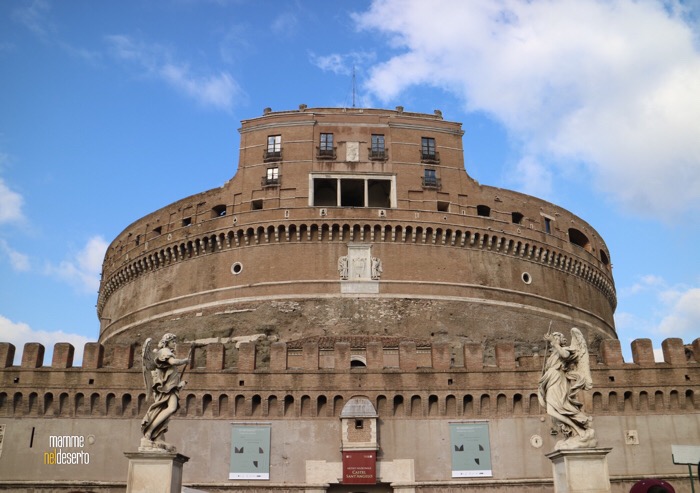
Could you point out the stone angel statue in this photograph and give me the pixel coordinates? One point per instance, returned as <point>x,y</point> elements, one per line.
<point>163,381</point>
<point>566,372</point>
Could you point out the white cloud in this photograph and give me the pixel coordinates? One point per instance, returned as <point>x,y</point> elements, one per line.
<point>19,333</point>
<point>342,63</point>
<point>83,269</point>
<point>34,16</point>
<point>18,261</point>
<point>218,90</point>
<point>11,204</point>
<point>614,85</point>
<point>684,316</point>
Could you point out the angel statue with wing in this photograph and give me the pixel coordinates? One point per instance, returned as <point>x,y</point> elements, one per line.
<point>566,372</point>
<point>163,383</point>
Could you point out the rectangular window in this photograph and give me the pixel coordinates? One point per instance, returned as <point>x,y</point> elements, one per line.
<point>356,191</point>
<point>352,193</point>
<point>274,148</point>
<point>427,149</point>
<point>547,225</point>
<point>377,151</point>
<point>326,142</point>
<point>430,179</point>
<point>272,177</point>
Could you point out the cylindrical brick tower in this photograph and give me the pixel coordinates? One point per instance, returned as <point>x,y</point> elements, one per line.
<point>344,222</point>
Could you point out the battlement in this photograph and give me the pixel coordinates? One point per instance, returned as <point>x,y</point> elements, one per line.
<point>310,355</point>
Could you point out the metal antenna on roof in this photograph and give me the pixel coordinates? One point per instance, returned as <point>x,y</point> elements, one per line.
<point>353,86</point>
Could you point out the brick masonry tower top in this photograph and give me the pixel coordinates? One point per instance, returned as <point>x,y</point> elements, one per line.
<point>356,222</point>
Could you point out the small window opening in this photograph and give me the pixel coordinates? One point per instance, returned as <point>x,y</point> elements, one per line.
<point>377,151</point>
<point>483,210</point>
<point>430,178</point>
<point>427,150</point>
<point>256,205</point>
<point>379,193</point>
<point>138,239</point>
<point>241,383</point>
<point>325,148</point>
<point>91,381</point>
<point>443,206</point>
<point>187,221</point>
<point>604,258</point>
<point>352,193</point>
<point>517,218</point>
<point>157,231</point>
<point>611,378</point>
<point>359,424</point>
<point>274,148</point>
<point>325,192</point>
<point>578,238</point>
<point>356,363</point>
<point>218,211</point>
<point>547,225</point>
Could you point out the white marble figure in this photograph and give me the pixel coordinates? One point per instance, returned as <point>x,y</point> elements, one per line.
<point>376,268</point>
<point>567,371</point>
<point>163,381</point>
<point>343,267</point>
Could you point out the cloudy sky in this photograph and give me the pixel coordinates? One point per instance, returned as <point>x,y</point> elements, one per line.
<point>110,110</point>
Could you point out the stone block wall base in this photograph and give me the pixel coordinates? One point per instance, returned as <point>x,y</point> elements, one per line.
<point>581,470</point>
<point>155,472</point>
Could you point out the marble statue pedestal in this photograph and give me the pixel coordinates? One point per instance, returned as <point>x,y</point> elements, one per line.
<point>581,470</point>
<point>155,472</point>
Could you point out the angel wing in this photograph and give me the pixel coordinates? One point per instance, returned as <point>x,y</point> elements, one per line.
<point>148,364</point>
<point>583,363</point>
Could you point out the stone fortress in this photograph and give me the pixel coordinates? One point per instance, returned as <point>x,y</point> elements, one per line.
<point>359,294</point>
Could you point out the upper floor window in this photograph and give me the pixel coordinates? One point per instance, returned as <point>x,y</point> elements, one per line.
<point>352,191</point>
<point>430,179</point>
<point>325,148</point>
<point>274,148</point>
<point>547,225</point>
<point>377,151</point>
<point>427,149</point>
<point>272,177</point>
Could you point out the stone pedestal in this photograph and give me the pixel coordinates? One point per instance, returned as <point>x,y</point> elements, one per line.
<point>581,470</point>
<point>155,472</point>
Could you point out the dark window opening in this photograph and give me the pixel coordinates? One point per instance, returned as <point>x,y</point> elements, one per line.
<point>359,424</point>
<point>352,193</point>
<point>377,151</point>
<point>578,238</point>
<point>218,211</point>
<point>256,205</point>
<point>325,192</point>
<point>430,179</point>
<point>483,210</point>
<point>517,218</point>
<point>356,363</point>
<point>604,258</point>
<point>427,149</point>
<point>157,231</point>
<point>138,239</point>
<point>547,225</point>
<point>187,221</point>
<point>379,193</point>
<point>443,206</point>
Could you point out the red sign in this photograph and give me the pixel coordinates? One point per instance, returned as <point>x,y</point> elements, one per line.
<point>360,467</point>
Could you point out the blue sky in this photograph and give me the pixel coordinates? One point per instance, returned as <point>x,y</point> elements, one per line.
<point>110,110</point>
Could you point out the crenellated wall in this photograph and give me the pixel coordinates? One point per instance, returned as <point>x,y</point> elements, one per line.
<point>406,381</point>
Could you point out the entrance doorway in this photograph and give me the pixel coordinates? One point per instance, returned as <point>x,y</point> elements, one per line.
<point>360,488</point>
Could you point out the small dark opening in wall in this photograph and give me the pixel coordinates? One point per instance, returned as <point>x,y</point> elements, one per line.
<point>91,381</point>
<point>359,424</point>
<point>483,210</point>
<point>241,383</point>
<point>15,380</point>
<point>578,238</point>
<point>352,193</point>
<point>157,231</point>
<point>687,378</point>
<point>611,378</point>
<point>449,381</point>
<point>517,218</point>
<point>138,239</point>
<point>356,363</point>
<point>256,205</point>
<point>547,225</point>
<point>218,211</point>
<point>604,258</point>
<point>187,221</point>
<point>443,206</point>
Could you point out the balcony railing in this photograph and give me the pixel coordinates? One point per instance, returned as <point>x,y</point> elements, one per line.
<point>431,182</point>
<point>430,157</point>
<point>269,156</point>
<point>271,182</point>
<point>377,155</point>
<point>326,153</point>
